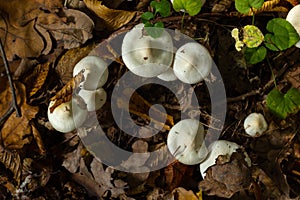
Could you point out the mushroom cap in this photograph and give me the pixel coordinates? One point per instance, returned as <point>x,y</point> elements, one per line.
<point>294,18</point>
<point>168,75</point>
<point>66,117</point>
<point>95,72</point>
<point>255,124</point>
<point>186,142</point>
<point>144,55</point>
<point>192,63</point>
<point>217,148</point>
<point>94,99</point>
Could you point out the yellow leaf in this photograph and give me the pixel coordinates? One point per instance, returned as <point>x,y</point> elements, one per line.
<point>113,19</point>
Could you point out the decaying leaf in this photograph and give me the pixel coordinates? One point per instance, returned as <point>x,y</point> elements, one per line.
<point>36,79</point>
<point>182,194</point>
<point>113,19</point>
<point>293,76</point>
<point>17,131</point>
<point>67,62</point>
<point>221,6</point>
<point>225,179</point>
<point>66,93</point>
<point>73,30</point>
<point>12,161</point>
<point>23,41</point>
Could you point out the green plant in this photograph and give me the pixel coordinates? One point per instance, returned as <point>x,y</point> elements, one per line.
<point>192,7</point>
<point>154,28</point>
<point>281,36</point>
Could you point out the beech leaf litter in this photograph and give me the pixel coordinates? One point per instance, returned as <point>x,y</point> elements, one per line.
<point>44,39</point>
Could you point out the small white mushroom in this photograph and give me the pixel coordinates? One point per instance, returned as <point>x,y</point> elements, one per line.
<point>168,75</point>
<point>294,18</point>
<point>66,117</point>
<point>255,124</point>
<point>217,148</point>
<point>94,99</point>
<point>185,142</point>
<point>192,63</point>
<point>95,72</point>
<point>144,55</point>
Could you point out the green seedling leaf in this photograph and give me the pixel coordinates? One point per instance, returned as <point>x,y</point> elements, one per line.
<point>244,6</point>
<point>163,7</point>
<point>283,35</point>
<point>192,7</point>
<point>283,105</point>
<point>255,55</point>
<point>252,36</point>
<point>146,16</point>
<point>154,30</point>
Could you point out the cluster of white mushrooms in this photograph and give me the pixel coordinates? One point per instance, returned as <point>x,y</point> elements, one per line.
<point>146,56</point>
<point>69,115</point>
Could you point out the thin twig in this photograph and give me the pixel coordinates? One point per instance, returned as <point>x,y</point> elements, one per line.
<point>13,91</point>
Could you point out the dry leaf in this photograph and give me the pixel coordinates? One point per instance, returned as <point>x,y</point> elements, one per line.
<point>23,41</point>
<point>11,161</point>
<point>182,194</point>
<point>17,131</point>
<point>73,30</point>
<point>36,79</point>
<point>293,76</point>
<point>66,93</point>
<point>67,62</point>
<point>113,19</point>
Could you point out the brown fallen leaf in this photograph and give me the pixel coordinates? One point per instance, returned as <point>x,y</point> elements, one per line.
<point>17,131</point>
<point>36,79</point>
<point>67,62</point>
<point>182,194</point>
<point>73,30</point>
<point>293,76</point>
<point>113,19</point>
<point>225,179</point>
<point>66,93</point>
<point>22,41</point>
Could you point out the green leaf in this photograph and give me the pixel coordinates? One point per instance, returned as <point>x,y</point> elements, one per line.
<point>282,35</point>
<point>146,16</point>
<point>154,30</point>
<point>283,105</point>
<point>192,7</point>
<point>244,6</point>
<point>255,55</point>
<point>163,7</point>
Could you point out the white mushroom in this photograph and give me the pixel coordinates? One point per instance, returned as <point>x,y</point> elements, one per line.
<point>217,148</point>
<point>66,117</point>
<point>294,18</point>
<point>94,99</point>
<point>168,75</point>
<point>255,124</point>
<point>95,72</point>
<point>144,55</point>
<point>192,63</point>
<point>185,142</point>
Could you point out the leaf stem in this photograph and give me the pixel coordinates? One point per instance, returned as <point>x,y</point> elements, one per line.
<point>273,75</point>
<point>13,91</point>
<point>182,20</point>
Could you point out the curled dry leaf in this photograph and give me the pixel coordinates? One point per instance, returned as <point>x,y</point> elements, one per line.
<point>17,131</point>
<point>183,194</point>
<point>36,79</point>
<point>12,161</point>
<point>113,19</point>
<point>73,30</point>
<point>66,93</point>
<point>67,62</point>
<point>227,178</point>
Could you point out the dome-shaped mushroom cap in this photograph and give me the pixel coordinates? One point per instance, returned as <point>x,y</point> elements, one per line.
<point>95,72</point>
<point>168,75</point>
<point>192,63</point>
<point>294,18</point>
<point>144,55</point>
<point>255,124</point>
<point>217,148</point>
<point>66,117</point>
<point>94,99</point>
<point>185,142</point>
